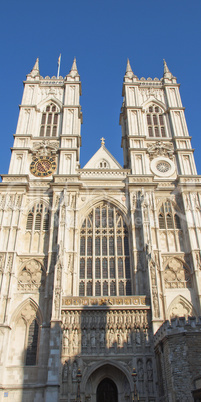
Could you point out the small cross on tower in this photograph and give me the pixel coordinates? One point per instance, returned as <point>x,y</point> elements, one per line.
<point>102,141</point>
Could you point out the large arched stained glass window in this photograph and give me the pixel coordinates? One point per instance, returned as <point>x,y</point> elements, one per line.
<point>104,254</point>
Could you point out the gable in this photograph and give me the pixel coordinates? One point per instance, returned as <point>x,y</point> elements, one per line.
<point>102,159</point>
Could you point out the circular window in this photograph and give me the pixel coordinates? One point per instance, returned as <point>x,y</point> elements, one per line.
<point>163,167</point>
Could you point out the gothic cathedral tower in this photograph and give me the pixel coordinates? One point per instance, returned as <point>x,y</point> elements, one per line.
<point>95,260</point>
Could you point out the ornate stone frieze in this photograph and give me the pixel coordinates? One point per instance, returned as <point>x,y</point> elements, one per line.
<point>105,301</point>
<point>91,332</point>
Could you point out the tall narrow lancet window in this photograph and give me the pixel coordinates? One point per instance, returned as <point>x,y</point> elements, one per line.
<point>49,121</point>
<point>156,122</point>
<point>168,217</point>
<point>38,218</point>
<point>104,254</point>
<point>32,344</point>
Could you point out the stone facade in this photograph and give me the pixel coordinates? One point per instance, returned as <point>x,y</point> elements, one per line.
<point>94,260</point>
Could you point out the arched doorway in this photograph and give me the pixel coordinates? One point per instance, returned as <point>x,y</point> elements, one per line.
<point>107,391</point>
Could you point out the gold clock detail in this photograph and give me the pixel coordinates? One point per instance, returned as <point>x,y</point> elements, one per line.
<point>43,166</point>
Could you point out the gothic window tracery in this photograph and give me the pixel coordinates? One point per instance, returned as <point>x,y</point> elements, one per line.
<point>156,122</point>
<point>177,275</point>
<point>168,218</point>
<point>38,218</point>
<point>49,121</point>
<point>104,254</point>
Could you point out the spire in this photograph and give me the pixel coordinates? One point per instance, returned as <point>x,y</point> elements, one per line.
<point>167,73</point>
<point>35,70</point>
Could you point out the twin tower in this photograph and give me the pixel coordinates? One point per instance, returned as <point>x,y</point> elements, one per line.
<point>100,266</point>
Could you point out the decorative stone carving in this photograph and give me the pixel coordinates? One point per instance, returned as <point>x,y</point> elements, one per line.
<point>176,275</point>
<point>45,147</point>
<point>160,148</point>
<point>32,276</point>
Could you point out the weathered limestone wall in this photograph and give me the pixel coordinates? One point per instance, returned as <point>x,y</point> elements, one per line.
<point>178,355</point>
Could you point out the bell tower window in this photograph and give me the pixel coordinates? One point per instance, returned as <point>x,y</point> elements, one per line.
<point>156,122</point>
<point>49,121</point>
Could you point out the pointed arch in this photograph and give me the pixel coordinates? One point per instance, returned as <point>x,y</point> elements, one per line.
<point>153,101</point>
<point>110,200</point>
<point>181,307</point>
<point>31,303</point>
<point>25,332</point>
<point>105,265</point>
<point>49,99</point>
<point>155,119</point>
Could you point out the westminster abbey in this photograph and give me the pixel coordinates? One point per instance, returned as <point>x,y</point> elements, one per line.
<point>100,266</point>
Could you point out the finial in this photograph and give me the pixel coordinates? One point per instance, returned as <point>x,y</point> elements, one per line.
<point>167,73</point>
<point>73,72</point>
<point>74,65</point>
<point>129,72</point>
<point>102,141</point>
<point>166,69</point>
<point>128,67</point>
<point>35,70</point>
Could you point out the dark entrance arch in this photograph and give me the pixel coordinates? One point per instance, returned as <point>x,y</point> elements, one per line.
<point>106,391</point>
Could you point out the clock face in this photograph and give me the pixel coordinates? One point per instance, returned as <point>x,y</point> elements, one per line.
<point>43,166</point>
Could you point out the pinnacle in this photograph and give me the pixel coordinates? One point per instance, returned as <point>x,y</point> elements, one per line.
<point>167,73</point>
<point>166,69</point>
<point>128,67</point>
<point>74,65</point>
<point>35,70</point>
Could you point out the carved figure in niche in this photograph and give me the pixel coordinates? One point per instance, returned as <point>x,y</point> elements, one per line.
<point>138,337</point>
<point>93,339</point>
<point>74,371</point>
<point>102,338</point>
<point>65,340</point>
<point>129,337</point>
<point>57,301</point>
<point>150,376</point>
<point>137,318</point>
<point>111,338</point>
<point>65,372</point>
<point>146,336</point>
<point>84,338</point>
<point>75,339</point>
<point>153,272</point>
<point>155,303</point>
<point>65,378</point>
<point>140,372</point>
<point>119,338</point>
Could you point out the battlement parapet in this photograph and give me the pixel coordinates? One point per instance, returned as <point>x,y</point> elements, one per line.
<point>177,326</point>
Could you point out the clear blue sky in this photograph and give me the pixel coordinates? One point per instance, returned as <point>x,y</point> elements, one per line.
<point>101,34</point>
